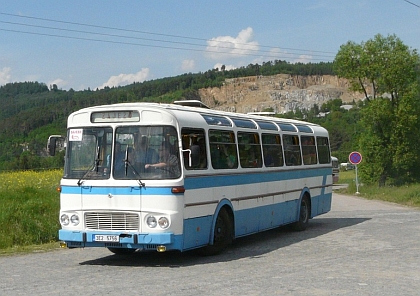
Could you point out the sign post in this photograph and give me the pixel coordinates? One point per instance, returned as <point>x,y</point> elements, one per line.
<point>355,158</point>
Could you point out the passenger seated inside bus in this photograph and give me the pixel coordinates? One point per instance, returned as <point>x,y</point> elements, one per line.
<point>292,150</point>
<point>143,153</point>
<point>168,162</point>
<point>223,156</point>
<point>199,146</point>
<point>203,155</point>
<point>273,157</point>
<point>250,156</point>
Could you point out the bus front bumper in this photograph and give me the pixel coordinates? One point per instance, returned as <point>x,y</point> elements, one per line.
<point>142,241</point>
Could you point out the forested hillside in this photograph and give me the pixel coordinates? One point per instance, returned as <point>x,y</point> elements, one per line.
<point>31,111</point>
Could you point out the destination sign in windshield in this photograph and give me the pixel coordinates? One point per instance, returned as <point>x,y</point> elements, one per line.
<point>115,116</point>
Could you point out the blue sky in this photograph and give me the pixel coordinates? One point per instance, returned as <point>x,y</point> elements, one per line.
<point>90,44</point>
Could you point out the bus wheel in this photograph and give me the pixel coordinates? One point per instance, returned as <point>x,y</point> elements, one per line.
<point>223,234</point>
<point>304,215</point>
<point>121,251</point>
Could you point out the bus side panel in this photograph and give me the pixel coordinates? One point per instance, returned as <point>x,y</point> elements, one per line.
<point>321,204</point>
<point>198,230</point>
<point>321,198</point>
<point>260,201</point>
<point>265,217</point>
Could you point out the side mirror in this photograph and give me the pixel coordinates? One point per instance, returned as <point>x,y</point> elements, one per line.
<point>52,144</point>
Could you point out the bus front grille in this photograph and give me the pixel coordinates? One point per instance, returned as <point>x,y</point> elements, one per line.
<point>112,221</point>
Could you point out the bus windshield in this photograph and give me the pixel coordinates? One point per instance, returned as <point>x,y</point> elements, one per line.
<point>136,152</point>
<point>146,152</point>
<point>87,153</point>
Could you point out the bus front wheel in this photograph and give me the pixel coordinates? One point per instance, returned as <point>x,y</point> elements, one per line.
<point>304,214</point>
<point>223,234</point>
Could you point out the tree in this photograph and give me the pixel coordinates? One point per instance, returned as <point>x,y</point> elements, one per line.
<point>386,71</point>
<point>377,67</point>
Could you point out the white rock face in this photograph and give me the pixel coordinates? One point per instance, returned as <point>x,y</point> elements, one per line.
<point>281,93</point>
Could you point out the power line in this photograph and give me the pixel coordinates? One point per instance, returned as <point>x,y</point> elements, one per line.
<point>302,51</point>
<point>140,38</point>
<point>143,45</point>
<point>412,3</point>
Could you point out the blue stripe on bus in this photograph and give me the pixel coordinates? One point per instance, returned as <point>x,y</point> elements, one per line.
<point>129,190</point>
<point>249,178</point>
<point>209,181</point>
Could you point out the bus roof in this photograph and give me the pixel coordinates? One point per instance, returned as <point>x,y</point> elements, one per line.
<point>176,108</point>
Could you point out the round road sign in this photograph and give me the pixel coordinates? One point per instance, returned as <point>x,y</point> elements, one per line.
<point>355,157</point>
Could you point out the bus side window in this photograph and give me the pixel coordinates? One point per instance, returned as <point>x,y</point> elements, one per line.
<point>249,150</point>
<point>309,150</point>
<point>323,146</point>
<point>292,150</point>
<point>272,150</point>
<point>194,137</point>
<point>223,149</point>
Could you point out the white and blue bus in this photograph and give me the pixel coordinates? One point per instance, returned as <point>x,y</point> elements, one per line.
<point>158,177</point>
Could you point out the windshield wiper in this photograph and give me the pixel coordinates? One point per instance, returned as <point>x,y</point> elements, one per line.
<point>97,160</point>
<point>127,164</point>
<point>94,166</point>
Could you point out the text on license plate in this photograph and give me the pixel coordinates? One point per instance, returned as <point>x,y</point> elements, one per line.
<point>106,238</point>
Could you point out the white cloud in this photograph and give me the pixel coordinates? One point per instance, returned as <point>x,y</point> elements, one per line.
<point>227,67</point>
<point>303,59</point>
<point>230,47</point>
<point>59,82</point>
<point>188,65</point>
<point>124,79</point>
<point>5,75</point>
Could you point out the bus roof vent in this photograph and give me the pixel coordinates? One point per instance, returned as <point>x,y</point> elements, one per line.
<point>192,103</point>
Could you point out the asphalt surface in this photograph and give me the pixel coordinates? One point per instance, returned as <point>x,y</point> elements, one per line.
<point>361,247</point>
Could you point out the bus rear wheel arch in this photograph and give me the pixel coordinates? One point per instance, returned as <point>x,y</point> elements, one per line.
<point>304,214</point>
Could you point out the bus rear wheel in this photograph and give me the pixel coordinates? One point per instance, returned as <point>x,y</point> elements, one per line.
<point>223,234</point>
<point>304,214</point>
<point>121,251</point>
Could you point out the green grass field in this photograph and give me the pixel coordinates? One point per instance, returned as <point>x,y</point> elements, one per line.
<point>29,207</point>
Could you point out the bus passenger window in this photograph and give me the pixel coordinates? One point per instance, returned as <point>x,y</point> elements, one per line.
<point>194,137</point>
<point>309,150</point>
<point>272,150</point>
<point>292,150</point>
<point>249,150</point>
<point>323,146</point>
<point>223,149</point>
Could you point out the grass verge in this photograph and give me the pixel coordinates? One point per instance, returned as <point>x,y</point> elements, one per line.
<point>408,195</point>
<point>30,249</point>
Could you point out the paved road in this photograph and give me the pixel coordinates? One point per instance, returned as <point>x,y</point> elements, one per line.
<point>360,248</point>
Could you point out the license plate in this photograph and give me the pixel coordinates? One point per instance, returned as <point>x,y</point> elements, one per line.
<point>106,238</point>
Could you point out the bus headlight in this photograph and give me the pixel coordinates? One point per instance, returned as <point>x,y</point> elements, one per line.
<point>74,219</point>
<point>163,222</point>
<point>64,219</point>
<point>151,221</point>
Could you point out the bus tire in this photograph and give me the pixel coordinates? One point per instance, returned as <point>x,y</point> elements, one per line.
<point>223,234</point>
<point>304,214</point>
<point>121,251</point>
